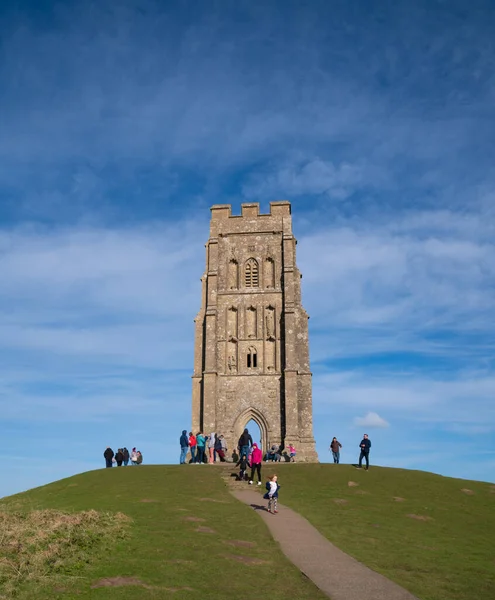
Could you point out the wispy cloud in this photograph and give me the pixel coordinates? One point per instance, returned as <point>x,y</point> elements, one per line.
<point>121,124</point>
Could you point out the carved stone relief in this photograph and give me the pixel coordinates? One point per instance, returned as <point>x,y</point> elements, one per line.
<point>270,355</point>
<point>270,322</point>
<point>269,274</point>
<point>251,322</point>
<point>231,356</point>
<point>232,323</point>
<point>233,275</point>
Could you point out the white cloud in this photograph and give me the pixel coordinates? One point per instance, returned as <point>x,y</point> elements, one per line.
<point>371,420</point>
<point>380,285</point>
<point>301,178</point>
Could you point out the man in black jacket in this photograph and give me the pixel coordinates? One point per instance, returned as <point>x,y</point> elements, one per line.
<point>108,454</point>
<point>245,442</point>
<point>365,446</point>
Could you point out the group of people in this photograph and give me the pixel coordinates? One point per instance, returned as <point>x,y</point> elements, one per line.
<point>203,448</point>
<point>122,457</point>
<point>207,448</point>
<point>364,445</point>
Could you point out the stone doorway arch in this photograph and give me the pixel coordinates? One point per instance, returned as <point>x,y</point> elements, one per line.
<point>255,415</point>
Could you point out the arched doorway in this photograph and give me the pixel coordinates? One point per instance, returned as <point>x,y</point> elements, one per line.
<point>255,431</point>
<point>261,433</point>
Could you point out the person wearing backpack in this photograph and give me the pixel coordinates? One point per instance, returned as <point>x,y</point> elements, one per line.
<point>245,442</point>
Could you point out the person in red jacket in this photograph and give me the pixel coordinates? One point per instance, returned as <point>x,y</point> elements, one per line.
<point>192,446</point>
<point>256,458</point>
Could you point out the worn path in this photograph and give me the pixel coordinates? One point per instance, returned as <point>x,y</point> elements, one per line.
<point>337,574</point>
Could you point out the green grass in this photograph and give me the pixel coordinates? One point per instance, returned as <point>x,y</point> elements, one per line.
<point>161,548</point>
<point>448,556</point>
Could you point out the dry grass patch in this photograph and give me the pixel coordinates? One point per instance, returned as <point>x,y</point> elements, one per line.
<point>248,560</point>
<point>419,517</point>
<point>43,546</point>
<point>467,491</point>
<point>213,500</point>
<point>118,582</point>
<point>205,530</point>
<point>241,543</point>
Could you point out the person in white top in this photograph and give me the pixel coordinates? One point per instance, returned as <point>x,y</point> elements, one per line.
<point>271,495</point>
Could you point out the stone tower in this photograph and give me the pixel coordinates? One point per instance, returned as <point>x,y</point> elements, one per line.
<point>251,356</point>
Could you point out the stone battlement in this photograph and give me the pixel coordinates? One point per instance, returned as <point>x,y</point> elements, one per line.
<point>280,208</point>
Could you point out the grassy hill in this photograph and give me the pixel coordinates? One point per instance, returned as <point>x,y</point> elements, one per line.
<point>433,535</point>
<point>187,533</point>
<point>160,532</point>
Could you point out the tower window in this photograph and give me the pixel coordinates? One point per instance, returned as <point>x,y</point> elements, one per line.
<point>252,275</point>
<point>252,359</point>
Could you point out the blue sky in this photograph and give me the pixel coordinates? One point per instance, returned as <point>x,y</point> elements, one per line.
<point>121,123</point>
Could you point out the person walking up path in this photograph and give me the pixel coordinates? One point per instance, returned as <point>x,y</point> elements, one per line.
<point>337,574</point>
<point>365,446</point>
<point>245,442</point>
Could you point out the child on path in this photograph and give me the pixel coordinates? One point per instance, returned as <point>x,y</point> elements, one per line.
<point>272,494</point>
<point>242,463</point>
<point>292,453</point>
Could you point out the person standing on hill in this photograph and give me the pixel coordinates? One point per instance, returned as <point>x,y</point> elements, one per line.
<point>292,453</point>
<point>125,452</point>
<point>256,458</point>
<point>184,445</point>
<point>200,445</point>
<point>212,440</point>
<point>119,457</point>
<point>192,446</point>
<point>108,455</point>
<point>365,446</point>
<point>335,447</point>
<point>245,442</point>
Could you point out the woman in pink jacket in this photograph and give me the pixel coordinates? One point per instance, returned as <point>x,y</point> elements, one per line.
<point>256,458</point>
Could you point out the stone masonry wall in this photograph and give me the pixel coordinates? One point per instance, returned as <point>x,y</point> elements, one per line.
<point>251,341</point>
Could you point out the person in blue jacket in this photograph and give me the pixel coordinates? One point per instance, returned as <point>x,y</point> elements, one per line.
<point>365,446</point>
<point>184,445</point>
